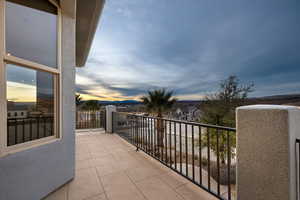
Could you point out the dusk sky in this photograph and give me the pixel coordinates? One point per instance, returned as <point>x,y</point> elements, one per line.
<point>189,46</point>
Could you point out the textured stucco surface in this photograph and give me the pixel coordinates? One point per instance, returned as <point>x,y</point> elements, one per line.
<point>265,158</point>
<point>32,174</point>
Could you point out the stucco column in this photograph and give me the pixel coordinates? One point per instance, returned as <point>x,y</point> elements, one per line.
<point>266,160</point>
<point>109,117</point>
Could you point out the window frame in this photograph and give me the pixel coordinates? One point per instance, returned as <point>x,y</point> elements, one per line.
<point>56,72</point>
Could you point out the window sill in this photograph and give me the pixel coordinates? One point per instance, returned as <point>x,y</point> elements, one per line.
<point>27,145</point>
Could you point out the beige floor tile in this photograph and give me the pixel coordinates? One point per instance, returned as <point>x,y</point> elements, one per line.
<point>106,169</point>
<point>82,156</point>
<point>83,164</point>
<point>118,186</point>
<point>103,160</point>
<point>155,189</point>
<point>96,154</point>
<point>141,173</point>
<point>96,147</point>
<point>192,192</point>
<point>98,197</point>
<point>85,184</point>
<point>60,194</point>
<point>173,180</point>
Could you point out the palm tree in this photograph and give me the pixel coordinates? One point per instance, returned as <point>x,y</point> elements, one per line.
<point>78,99</point>
<point>157,102</point>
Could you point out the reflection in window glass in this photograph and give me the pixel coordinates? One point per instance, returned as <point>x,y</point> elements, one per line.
<point>31,93</point>
<point>31,34</point>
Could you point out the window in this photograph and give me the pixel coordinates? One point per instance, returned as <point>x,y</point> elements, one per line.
<point>31,69</point>
<point>33,91</point>
<point>31,34</point>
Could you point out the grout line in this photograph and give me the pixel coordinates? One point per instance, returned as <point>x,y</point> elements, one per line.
<point>99,178</point>
<point>138,189</point>
<point>167,173</point>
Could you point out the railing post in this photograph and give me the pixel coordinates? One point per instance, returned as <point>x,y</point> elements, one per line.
<point>109,117</point>
<point>266,154</point>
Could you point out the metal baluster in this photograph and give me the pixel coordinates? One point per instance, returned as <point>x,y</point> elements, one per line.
<point>8,132</point>
<point>16,131</point>
<point>175,149</point>
<point>170,141</point>
<point>151,133</point>
<point>140,132</point>
<point>208,158</point>
<point>200,155</point>
<point>143,136</point>
<point>38,127</point>
<point>162,138</point>
<point>186,152</point>
<point>298,169</point>
<point>136,131</point>
<point>154,136</point>
<point>131,137</point>
<point>44,126</point>
<point>23,130</point>
<point>30,128</point>
<point>180,147</point>
<point>228,164</point>
<point>148,135</point>
<point>193,154</point>
<point>166,142</point>
<point>51,126</point>
<point>218,162</point>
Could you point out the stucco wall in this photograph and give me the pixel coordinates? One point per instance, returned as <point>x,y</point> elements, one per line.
<point>32,174</point>
<point>266,137</point>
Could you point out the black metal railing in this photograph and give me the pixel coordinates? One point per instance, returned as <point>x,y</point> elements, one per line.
<point>21,130</point>
<point>90,119</point>
<point>202,153</point>
<point>297,151</point>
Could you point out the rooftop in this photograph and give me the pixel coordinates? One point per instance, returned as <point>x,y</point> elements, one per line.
<point>109,168</point>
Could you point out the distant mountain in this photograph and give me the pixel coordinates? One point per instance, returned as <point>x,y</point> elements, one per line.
<point>277,97</point>
<point>120,102</point>
<point>288,99</point>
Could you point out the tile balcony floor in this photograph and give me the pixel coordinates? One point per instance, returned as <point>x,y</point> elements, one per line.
<point>109,168</point>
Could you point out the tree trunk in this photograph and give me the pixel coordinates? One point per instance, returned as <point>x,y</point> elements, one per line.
<point>160,130</point>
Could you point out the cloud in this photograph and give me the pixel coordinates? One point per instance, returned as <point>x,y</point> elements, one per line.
<point>190,46</point>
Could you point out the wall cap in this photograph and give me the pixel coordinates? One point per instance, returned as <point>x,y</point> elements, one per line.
<point>268,107</point>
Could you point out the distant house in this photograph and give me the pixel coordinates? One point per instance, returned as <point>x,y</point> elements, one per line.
<point>17,114</point>
<point>185,112</point>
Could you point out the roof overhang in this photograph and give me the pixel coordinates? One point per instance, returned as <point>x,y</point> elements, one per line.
<point>87,17</point>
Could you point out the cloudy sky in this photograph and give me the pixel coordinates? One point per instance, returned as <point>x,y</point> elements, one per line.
<point>189,46</point>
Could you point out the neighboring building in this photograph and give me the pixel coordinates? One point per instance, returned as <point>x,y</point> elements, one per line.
<point>41,43</point>
<point>185,112</point>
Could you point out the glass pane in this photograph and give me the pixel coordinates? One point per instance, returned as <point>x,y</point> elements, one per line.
<point>30,104</point>
<point>31,34</point>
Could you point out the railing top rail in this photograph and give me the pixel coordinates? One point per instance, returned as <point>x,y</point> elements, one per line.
<point>185,122</point>
<point>22,118</point>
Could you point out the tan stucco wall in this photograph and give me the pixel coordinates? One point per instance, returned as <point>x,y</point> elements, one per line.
<point>266,152</point>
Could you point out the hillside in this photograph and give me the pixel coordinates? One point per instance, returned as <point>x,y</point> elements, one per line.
<point>289,99</point>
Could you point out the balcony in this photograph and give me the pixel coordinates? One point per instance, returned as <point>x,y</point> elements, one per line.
<point>109,168</point>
